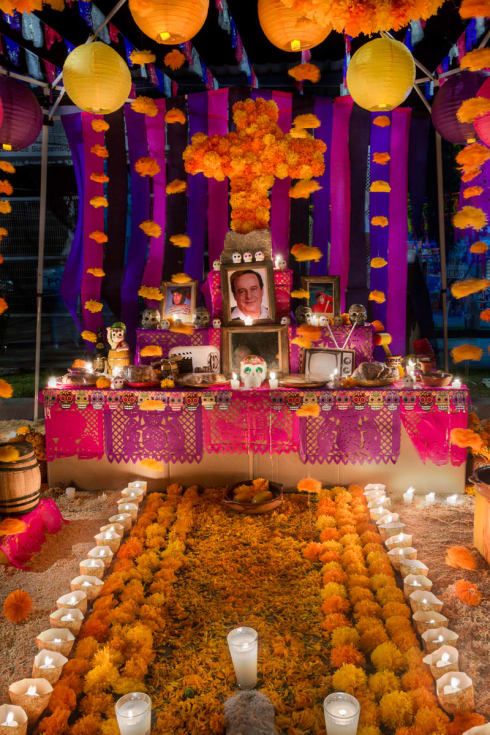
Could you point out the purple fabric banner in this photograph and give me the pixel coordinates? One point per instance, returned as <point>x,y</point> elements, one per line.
<point>72,275</point>
<point>155,131</point>
<point>398,230</point>
<point>93,252</point>
<point>321,199</point>
<point>140,211</point>
<point>280,201</point>
<point>218,220</point>
<point>197,193</point>
<point>340,193</point>
<point>379,206</point>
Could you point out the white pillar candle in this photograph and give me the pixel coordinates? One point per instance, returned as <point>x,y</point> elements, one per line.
<point>455,692</point>
<point>273,381</point>
<point>401,540</point>
<point>70,492</point>
<point>341,712</point>
<point>13,720</point>
<point>133,712</point>
<point>430,499</point>
<point>103,553</point>
<point>76,599</point>
<point>60,640</point>
<point>125,519</point>
<point>234,382</point>
<point>408,496</point>
<point>92,567</point>
<point>456,383</point>
<point>243,645</point>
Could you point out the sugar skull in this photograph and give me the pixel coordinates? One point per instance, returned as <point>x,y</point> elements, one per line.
<point>280,263</point>
<point>343,400</point>
<point>409,400</point>
<point>208,401</point>
<point>82,399</point>
<point>301,313</point>
<point>165,324</point>
<point>358,314</point>
<point>117,382</point>
<point>247,256</point>
<point>113,399</point>
<point>191,401</point>
<point>216,323</point>
<point>442,401</point>
<point>285,321</point>
<point>150,319</point>
<point>223,400</point>
<point>216,265</point>
<point>426,400</point>
<point>376,400</point>
<point>392,400</point>
<point>294,401</point>
<point>359,400</point>
<point>201,318</point>
<point>253,371</point>
<point>259,256</point>
<point>49,398</point>
<point>322,320</point>
<point>236,257</point>
<point>65,398</point>
<point>326,401</point>
<point>176,401</point>
<point>277,400</point>
<point>128,400</point>
<point>309,399</point>
<point>97,399</point>
<point>459,400</point>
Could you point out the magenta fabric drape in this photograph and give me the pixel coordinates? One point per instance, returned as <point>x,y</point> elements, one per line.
<point>280,201</point>
<point>217,190</point>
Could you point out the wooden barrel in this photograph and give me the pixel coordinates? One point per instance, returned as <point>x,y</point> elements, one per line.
<point>20,481</point>
<point>118,358</point>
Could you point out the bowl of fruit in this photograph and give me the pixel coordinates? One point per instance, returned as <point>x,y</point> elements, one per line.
<point>253,496</point>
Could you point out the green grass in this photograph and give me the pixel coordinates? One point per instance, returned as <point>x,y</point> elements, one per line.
<point>23,383</point>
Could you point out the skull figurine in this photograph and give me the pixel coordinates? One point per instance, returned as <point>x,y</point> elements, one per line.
<point>259,256</point>
<point>216,323</point>
<point>301,313</point>
<point>280,263</point>
<point>285,320</point>
<point>322,320</point>
<point>236,257</point>
<point>165,324</point>
<point>358,314</point>
<point>150,319</point>
<point>253,371</point>
<point>216,265</point>
<point>247,257</point>
<point>201,319</point>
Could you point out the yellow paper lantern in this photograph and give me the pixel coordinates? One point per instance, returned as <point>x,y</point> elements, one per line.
<point>169,21</point>
<point>288,29</point>
<point>381,75</point>
<point>96,78</point>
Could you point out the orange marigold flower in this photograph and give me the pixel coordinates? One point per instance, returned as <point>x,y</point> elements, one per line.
<point>147,166</point>
<point>150,228</point>
<point>395,709</point>
<point>335,604</point>
<point>377,296</point>
<point>430,720</point>
<point>93,306</point>
<point>145,105</point>
<point>334,620</point>
<point>372,638</point>
<point>175,59</point>
<point>303,188</point>
<point>467,592</point>
<point>476,60</point>
<point>472,156</point>
<point>311,409</point>
<point>303,253</point>
<point>102,382</point>
<point>132,548</point>
<point>175,115</point>
<point>99,202</point>
<point>98,236</point>
<point>180,241</point>
<point>382,121</point>
<point>329,534</point>
<point>100,126</point>
<point>57,723</point>
<point>182,329</point>
<point>383,682</point>
<point>142,57</point>
<point>472,108</point>
<point>150,404</point>
<point>89,336</point>
<point>6,391</point>
<point>152,464</point>
<point>312,551</point>
<point>378,262</point>
<point>6,187</point>
<point>470,174</point>
<point>485,315</point>
<point>5,207</point>
<point>307,120</point>
<point>378,326</point>
<point>381,158</point>
<point>422,697</point>
<point>309,485</point>
<point>7,167</point>
<point>349,678</point>
<point>334,575</point>
<point>177,186</point>
<point>460,556</point>
<point>472,191</point>
<point>151,351</point>
<point>417,677</point>
<point>466,352</point>
<point>387,656</point>
<point>379,221</point>
<point>17,604</point>
<point>300,293</point>
<point>100,151</point>
<point>150,292</point>
<point>3,233</point>
<point>469,286</point>
<point>470,217</point>
<point>12,526</point>
<point>99,178</point>
<point>480,248</point>
<point>97,272</point>
<point>380,187</point>
<point>62,697</point>
<point>305,73</point>
<point>463,721</point>
<point>180,278</point>
<point>347,654</point>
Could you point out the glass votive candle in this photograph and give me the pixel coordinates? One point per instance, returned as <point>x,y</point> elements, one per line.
<point>408,496</point>
<point>76,599</point>
<point>108,538</point>
<point>388,517</point>
<point>413,566</point>
<point>132,495</point>
<point>104,553</point>
<point>92,568</point>
<point>378,500</point>
<point>442,660</point>
<point>428,619</point>
<point>133,712</point>
<point>13,720</point>
<point>437,637</point>
<point>115,527</point>
<point>140,484</point>
<point>341,712</point>
<point>397,554</point>
<point>125,519</point>
<point>401,540</point>
<point>378,512</point>
<point>32,695</point>
<point>374,487</point>
<point>124,507</point>
<point>49,665</point>
<point>92,586</point>
<point>429,499</point>
<point>390,529</point>
<point>243,645</point>
<point>426,601</point>
<point>414,582</point>
<point>60,640</point>
<point>455,692</point>
<point>67,617</point>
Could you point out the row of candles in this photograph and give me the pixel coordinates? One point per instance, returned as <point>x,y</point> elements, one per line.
<point>454,688</point>
<point>29,697</point>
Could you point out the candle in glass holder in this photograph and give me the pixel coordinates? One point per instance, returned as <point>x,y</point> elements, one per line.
<point>397,554</point>
<point>430,499</point>
<point>378,512</point>
<point>133,712</point>
<point>32,695</point>
<point>422,600</point>
<point>114,527</point>
<point>92,586</point>
<point>124,507</point>
<point>125,519</point>
<point>408,496</point>
<point>388,517</point>
<point>442,660</point>
<point>341,712</point>
<point>133,494</point>
<point>427,620</point>
<point>141,484</point>
<point>76,599</point>
<point>414,582</point>
<point>455,692</point>
<point>243,645</point>
<point>374,487</point>
<point>13,720</point>
<point>401,540</point>
<point>434,638</point>
<point>273,381</point>
<point>390,529</point>
<point>234,382</point>
<point>49,665</point>
<point>67,617</point>
<point>108,538</point>
<point>379,500</point>
<point>413,566</point>
<point>92,568</point>
<point>104,553</point>
<point>456,383</point>
<point>60,640</point>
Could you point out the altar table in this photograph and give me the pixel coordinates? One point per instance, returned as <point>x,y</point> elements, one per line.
<point>394,435</point>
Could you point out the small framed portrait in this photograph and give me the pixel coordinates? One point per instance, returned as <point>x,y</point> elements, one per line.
<point>268,342</point>
<point>179,301</point>
<point>248,293</point>
<point>324,294</point>
<point>323,364</point>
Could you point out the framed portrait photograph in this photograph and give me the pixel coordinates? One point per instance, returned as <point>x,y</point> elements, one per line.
<point>248,293</point>
<point>179,301</point>
<point>268,342</point>
<point>321,364</point>
<point>324,294</point>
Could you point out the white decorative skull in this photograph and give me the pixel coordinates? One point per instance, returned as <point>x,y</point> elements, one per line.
<point>216,265</point>
<point>358,314</point>
<point>117,382</point>
<point>253,371</point>
<point>285,320</point>
<point>236,257</point>
<point>281,263</point>
<point>247,257</point>
<point>201,317</point>
<point>165,324</point>
<point>322,320</point>
<point>216,323</point>
<point>259,256</point>
<point>150,319</point>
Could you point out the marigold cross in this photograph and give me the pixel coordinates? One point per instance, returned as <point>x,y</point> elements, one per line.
<point>252,157</point>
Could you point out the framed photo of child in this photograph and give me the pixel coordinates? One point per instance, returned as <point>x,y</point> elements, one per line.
<point>179,301</point>
<point>323,294</point>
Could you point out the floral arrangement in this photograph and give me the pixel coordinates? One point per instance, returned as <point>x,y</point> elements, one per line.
<point>6,390</point>
<point>251,158</point>
<point>150,292</point>
<point>476,60</point>
<point>145,105</point>
<point>147,166</point>
<point>99,201</point>
<point>89,336</point>
<point>460,289</point>
<point>102,382</point>
<point>98,236</point>
<point>175,59</point>
<point>300,293</point>
<point>305,73</point>
<point>180,278</point>
<point>174,115</point>
<point>480,248</point>
<point>177,186</point>
<point>303,189</point>
<point>99,178</point>
<point>151,351</point>
<point>460,557</point>
<point>99,125</point>
<point>381,158</point>
<point>5,207</point>
<point>466,352</point>
<point>470,217</point>
<point>382,121</point>
<point>142,57</point>
<point>311,410</point>
<point>17,606</point>
<point>377,296</point>
<point>380,187</point>
<point>150,404</point>
<point>97,272</point>
<point>472,191</point>
<point>473,108</point>
<point>180,241</point>
<point>100,151</point>
<point>379,221</point>
<point>474,9</point>
<point>93,306</point>
<point>467,592</point>
<point>378,262</point>
<point>303,253</point>
<point>150,228</point>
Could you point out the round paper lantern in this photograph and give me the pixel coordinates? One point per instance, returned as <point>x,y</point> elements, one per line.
<point>482,124</point>
<point>96,78</point>
<point>448,100</point>
<point>169,21</point>
<point>287,29</point>
<point>22,117</point>
<point>381,75</point>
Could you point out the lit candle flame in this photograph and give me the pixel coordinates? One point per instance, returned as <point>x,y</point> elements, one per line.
<point>248,321</point>
<point>32,691</point>
<point>342,712</point>
<point>9,722</point>
<point>445,658</point>
<point>52,382</point>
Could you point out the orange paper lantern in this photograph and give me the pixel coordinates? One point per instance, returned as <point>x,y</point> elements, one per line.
<point>289,29</point>
<point>169,21</point>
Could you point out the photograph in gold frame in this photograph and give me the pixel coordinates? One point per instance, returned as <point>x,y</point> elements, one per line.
<point>248,291</point>
<point>179,301</point>
<point>267,341</point>
<point>324,294</point>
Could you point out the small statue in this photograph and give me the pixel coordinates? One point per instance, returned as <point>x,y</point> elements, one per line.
<point>165,324</point>
<point>358,314</point>
<point>119,354</point>
<point>247,257</point>
<point>259,256</point>
<point>303,313</point>
<point>236,257</point>
<point>150,319</point>
<point>285,320</point>
<point>216,265</point>
<point>216,323</point>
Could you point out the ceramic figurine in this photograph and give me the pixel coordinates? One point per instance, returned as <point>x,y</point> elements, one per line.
<point>119,354</point>
<point>247,257</point>
<point>322,320</point>
<point>236,257</point>
<point>285,320</point>
<point>259,256</point>
<point>201,318</point>
<point>216,265</point>
<point>165,324</point>
<point>280,263</point>
<point>150,319</point>
<point>253,371</point>
<point>216,323</point>
<point>117,382</point>
<point>358,314</point>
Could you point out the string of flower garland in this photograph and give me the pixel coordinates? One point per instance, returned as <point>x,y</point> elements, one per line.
<point>6,188</point>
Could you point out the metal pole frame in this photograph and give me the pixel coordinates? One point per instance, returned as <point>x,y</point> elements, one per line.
<point>442,247</point>
<point>40,262</point>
